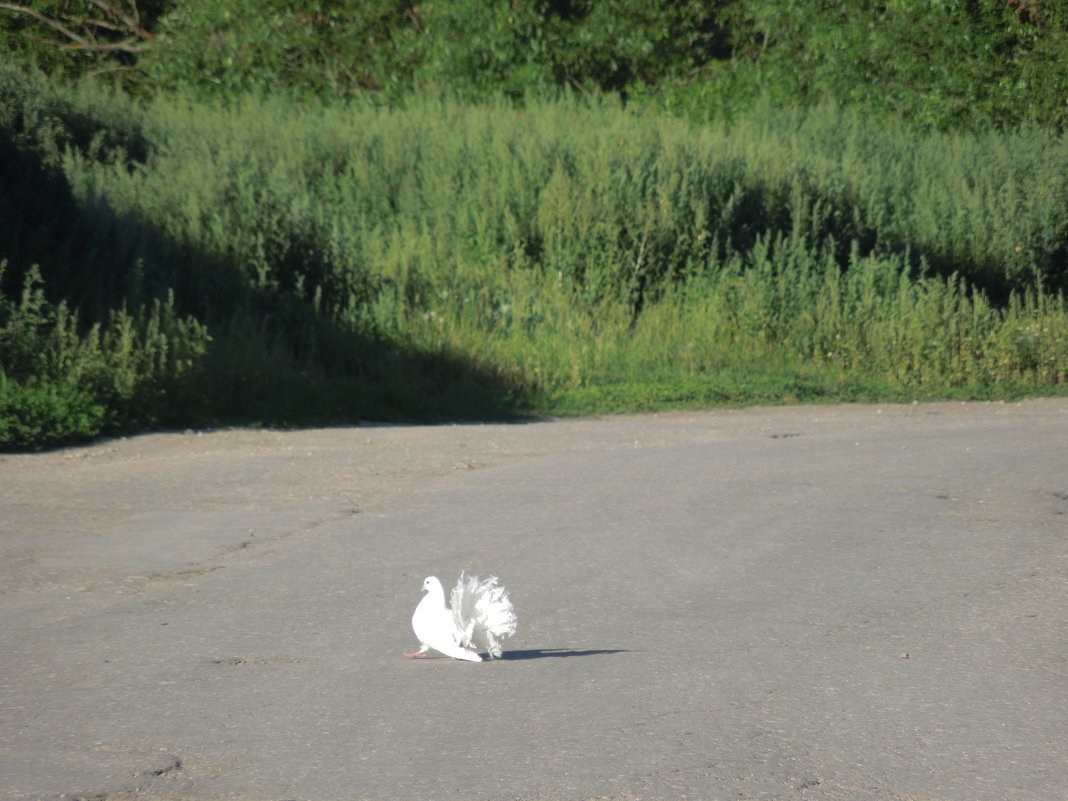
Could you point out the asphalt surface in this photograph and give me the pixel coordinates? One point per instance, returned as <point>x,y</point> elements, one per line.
<point>819,603</point>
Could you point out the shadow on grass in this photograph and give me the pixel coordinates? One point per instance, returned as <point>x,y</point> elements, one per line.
<point>546,653</point>
<point>288,348</point>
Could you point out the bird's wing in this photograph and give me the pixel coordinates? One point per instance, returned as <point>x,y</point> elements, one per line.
<point>434,627</point>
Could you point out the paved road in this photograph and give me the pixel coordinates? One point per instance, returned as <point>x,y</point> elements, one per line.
<point>817,603</point>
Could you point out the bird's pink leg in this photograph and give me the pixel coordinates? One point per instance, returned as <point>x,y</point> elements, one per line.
<point>419,653</point>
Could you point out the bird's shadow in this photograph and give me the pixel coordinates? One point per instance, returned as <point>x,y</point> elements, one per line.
<point>544,653</point>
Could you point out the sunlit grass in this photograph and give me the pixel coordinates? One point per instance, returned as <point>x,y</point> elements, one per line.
<point>443,260</point>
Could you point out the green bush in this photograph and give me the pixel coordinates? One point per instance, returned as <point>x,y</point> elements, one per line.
<point>220,47</point>
<point>63,382</point>
<point>33,417</point>
<point>949,65</point>
<point>469,47</point>
<point>483,48</point>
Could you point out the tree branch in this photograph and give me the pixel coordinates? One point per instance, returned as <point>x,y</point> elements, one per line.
<point>132,22</point>
<point>37,15</point>
<point>127,46</point>
<point>85,40</point>
<point>95,23</point>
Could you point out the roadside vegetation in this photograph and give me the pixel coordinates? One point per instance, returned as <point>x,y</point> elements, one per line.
<point>610,209</point>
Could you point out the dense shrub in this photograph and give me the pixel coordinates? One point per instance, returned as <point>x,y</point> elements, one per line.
<point>949,64</point>
<point>62,382</point>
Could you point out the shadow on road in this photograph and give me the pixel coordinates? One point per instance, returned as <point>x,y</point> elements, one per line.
<point>542,653</point>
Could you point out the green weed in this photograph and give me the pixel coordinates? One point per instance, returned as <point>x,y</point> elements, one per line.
<point>291,263</point>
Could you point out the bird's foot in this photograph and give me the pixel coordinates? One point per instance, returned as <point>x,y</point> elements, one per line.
<point>417,654</point>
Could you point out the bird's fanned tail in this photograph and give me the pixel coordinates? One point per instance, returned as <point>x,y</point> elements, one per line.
<point>483,612</point>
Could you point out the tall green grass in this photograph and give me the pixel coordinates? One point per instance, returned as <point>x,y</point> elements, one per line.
<point>445,259</point>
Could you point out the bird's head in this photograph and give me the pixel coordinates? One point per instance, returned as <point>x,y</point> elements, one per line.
<point>431,583</point>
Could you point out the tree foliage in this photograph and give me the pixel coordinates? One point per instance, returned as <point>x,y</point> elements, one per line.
<point>324,49</point>
<point>615,45</point>
<point>946,63</point>
<point>943,63</point>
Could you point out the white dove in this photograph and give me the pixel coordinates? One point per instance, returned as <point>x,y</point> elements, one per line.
<point>481,615</point>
